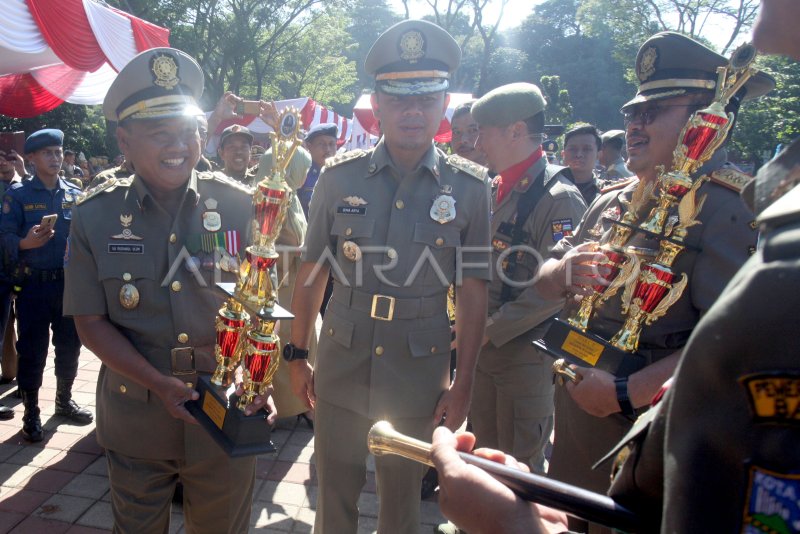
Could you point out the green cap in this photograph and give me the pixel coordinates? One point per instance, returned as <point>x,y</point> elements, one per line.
<point>158,83</point>
<point>413,57</point>
<point>612,134</point>
<point>670,64</point>
<point>508,104</point>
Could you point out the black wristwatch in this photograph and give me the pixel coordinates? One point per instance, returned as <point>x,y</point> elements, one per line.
<point>292,353</point>
<point>623,399</point>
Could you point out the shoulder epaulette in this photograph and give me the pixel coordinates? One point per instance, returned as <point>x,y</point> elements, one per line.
<point>220,176</point>
<point>344,157</point>
<point>105,187</point>
<point>731,178</point>
<point>616,185</point>
<point>467,166</point>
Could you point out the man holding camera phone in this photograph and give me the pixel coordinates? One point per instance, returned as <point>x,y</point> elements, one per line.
<point>34,229</point>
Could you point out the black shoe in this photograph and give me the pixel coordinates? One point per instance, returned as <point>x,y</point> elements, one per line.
<point>31,423</point>
<point>307,419</point>
<point>66,407</point>
<point>429,484</point>
<point>6,380</point>
<point>6,413</point>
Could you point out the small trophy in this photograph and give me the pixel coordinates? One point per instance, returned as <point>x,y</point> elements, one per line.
<point>650,285</point>
<point>246,323</point>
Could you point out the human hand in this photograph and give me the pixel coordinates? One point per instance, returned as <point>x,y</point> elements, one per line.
<point>226,106</point>
<point>302,376</point>
<point>453,405</point>
<point>578,270</point>
<point>595,392</point>
<point>173,394</point>
<point>269,114</point>
<point>261,400</point>
<point>36,237</point>
<point>19,162</point>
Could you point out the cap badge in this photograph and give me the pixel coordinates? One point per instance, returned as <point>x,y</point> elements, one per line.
<point>412,46</point>
<point>165,70</point>
<point>647,65</point>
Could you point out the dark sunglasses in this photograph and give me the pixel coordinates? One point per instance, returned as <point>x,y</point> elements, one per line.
<point>647,116</point>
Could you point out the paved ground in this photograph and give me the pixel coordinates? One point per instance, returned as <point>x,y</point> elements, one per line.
<point>60,485</point>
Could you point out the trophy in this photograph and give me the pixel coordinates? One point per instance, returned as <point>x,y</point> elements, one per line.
<point>651,286</point>
<point>246,323</point>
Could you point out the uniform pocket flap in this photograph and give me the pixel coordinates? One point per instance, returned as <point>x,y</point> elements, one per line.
<point>437,235</point>
<point>135,270</point>
<point>352,226</point>
<point>117,384</point>
<point>429,342</point>
<point>338,329</point>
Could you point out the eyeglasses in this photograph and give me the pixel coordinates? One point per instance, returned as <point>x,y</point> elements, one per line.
<point>649,115</point>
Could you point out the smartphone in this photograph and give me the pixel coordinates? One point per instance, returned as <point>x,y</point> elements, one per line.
<point>248,107</point>
<point>48,222</point>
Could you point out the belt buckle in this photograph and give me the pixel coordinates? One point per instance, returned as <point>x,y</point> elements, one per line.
<point>179,355</point>
<point>374,314</point>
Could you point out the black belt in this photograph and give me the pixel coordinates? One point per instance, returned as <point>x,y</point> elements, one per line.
<point>386,308</point>
<point>47,275</point>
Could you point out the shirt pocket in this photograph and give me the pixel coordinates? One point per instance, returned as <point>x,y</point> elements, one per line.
<point>352,228</point>
<point>439,244</point>
<point>338,329</point>
<point>429,342</point>
<point>138,277</point>
<point>116,384</point>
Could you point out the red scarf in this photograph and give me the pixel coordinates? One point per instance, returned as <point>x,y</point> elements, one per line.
<point>509,178</point>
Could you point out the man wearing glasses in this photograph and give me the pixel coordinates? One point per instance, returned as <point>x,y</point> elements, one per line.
<point>677,76</point>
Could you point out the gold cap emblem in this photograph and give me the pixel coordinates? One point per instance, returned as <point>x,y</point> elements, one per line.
<point>165,71</point>
<point>647,64</point>
<point>412,46</point>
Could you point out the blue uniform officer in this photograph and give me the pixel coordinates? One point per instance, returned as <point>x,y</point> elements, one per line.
<point>35,247</point>
<point>321,144</point>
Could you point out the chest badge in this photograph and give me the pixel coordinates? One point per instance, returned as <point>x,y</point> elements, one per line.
<point>355,201</point>
<point>351,251</point>
<point>444,206</point>
<point>126,221</point>
<point>212,221</point>
<point>128,296</point>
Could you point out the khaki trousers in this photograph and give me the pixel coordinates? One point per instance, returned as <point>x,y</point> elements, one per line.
<point>217,490</point>
<point>340,445</point>
<point>512,401</point>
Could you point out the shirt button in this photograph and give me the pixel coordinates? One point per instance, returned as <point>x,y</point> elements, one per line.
<point>349,231</point>
<point>189,385</point>
<point>331,331</point>
<point>378,350</point>
<point>439,241</point>
<point>433,350</point>
<point>126,276</point>
<point>122,388</point>
<point>400,204</point>
<point>392,253</point>
<point>183,337</point>
<point>173,238</point>
<point>176,286</point>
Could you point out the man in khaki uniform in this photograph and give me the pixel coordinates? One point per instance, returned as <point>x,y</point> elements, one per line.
<point>145,302</point>
<point>533,206</point>
<point>610,155</point>
<point>392,225</point>
<point>677,76</point>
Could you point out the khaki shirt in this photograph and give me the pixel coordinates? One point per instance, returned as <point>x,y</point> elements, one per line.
<point>176,308</point>
<point>395,368</point>
<point>556,215</point>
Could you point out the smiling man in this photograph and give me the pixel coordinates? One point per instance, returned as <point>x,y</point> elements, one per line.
<point>465,134</point>
<point>677,76</point>
<point>140,284</point>
<point>390,224</point>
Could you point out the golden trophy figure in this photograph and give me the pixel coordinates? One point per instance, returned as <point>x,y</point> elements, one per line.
<point>650,285</point>
<point>246,322</point>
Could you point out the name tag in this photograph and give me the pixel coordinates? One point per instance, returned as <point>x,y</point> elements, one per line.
<point>33,207</point>
<point>126,248</point>
<point>352,210</point>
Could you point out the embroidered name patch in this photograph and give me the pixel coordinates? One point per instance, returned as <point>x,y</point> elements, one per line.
<point>561,228</point>
<point>774,397</point>
<point>126,248</point>
<point>352,210</point>
<point>33,207</point>
<point>773,502</point>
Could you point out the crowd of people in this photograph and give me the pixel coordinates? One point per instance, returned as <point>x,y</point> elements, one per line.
<point>376,245</point>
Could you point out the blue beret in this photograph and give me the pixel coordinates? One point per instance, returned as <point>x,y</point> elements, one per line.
<point>327,128</point>
<point>43,138</point>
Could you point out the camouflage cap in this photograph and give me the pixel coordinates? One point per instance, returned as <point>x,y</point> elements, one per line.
<point>670,64</point>
<point>413,57</point>
<point>508,104</point>
<point>158,83</point>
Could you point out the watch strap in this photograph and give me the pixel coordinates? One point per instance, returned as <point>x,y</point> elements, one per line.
<point>621,385</point>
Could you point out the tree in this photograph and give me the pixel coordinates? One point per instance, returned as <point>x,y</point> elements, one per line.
<point>559,107</point>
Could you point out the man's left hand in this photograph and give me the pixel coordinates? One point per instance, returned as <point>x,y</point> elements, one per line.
<point>453,405</point>
<point>260,401</point>
<point>596,393</point>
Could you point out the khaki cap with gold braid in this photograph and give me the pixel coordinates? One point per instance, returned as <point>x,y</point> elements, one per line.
<point>156,84</point>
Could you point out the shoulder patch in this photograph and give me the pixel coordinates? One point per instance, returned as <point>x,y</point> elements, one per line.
<point>618,184</point>
<point>731,178</point>
<point>344,157</point>
<point>467,166</point>
<point>105,187</point>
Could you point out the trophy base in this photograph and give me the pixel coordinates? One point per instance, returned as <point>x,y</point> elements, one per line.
<point>238,434</point>
<point>587,350</point>
<point>276,313</point>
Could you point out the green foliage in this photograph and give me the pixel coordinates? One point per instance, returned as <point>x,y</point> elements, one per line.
<point>559,107</point>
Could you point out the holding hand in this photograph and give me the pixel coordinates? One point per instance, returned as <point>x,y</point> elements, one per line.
<point>173,394</point>
<point>36,237</point>
<point>575,273</point>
